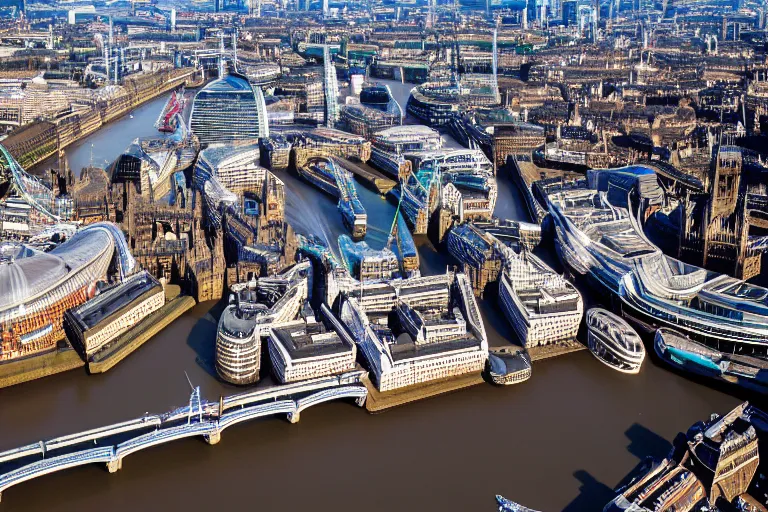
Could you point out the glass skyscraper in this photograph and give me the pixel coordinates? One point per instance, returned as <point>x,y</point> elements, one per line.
<point>229,110</point>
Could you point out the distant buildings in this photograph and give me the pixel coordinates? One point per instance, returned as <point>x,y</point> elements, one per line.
<point>512,140</point>
<point>363,120</point>
<point>390,146</point>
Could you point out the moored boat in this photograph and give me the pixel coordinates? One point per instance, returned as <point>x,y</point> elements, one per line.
<point>506,505</point>
<point>508,365</point>
<point>318,171</point>
<point>685,354</point>
<point>613,342</point>
<point>337,181</point>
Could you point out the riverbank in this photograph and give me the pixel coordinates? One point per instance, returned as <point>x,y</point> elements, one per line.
<point>559,349</point>
<point>378,401</point>
<point>37,367</point>
<point>128,342</point>
<point>54,136</point>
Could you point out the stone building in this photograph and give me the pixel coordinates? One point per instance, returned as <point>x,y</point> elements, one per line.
<point>112,312</point>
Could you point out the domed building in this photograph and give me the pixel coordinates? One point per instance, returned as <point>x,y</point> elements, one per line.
<point>229,110</point>
<point>36,288</point>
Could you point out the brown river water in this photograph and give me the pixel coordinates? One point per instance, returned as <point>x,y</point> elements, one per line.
<point>559,441</point>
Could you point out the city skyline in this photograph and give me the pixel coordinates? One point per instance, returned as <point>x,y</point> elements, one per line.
<point>433,211</point>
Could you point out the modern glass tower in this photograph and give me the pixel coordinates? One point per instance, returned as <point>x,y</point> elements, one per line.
<point>229,110</point>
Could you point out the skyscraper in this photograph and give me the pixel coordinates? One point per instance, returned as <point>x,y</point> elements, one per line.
<point>229,110</point>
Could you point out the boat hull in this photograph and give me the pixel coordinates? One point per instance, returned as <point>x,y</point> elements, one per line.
<point>703,366</point>
<point>613,342</point>
<point>598,350</point>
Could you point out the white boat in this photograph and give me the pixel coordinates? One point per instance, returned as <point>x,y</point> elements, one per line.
<point>506,505</point>
<point>613,342</point>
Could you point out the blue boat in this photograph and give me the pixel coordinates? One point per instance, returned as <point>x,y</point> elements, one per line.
<point>316,249</point>
<point>406,248</point>
<point>368,264</point>
<point>683,353</point>
<point>333,179</point>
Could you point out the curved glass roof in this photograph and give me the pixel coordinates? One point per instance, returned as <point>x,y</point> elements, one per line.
<point>25,272</point>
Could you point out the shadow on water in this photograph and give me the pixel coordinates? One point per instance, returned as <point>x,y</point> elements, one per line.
<point>593,495</point>
<point>643,444</point>
<point>202,338</point>
<point>646,443</point>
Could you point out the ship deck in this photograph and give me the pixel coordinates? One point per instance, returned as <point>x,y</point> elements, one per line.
<point>368,174</point>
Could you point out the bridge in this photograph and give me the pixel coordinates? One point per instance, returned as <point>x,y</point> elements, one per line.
<point>111,444</point>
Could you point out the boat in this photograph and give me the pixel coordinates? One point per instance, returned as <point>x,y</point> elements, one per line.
<point>319,172</point>
<point>406,248</point>
<point>613,342</point>
<point>333,179</point>
<point>683,353</point>
<point>375,96</point>
<point>508,365</point>
<point>167,121</point>
<point>506,505</point>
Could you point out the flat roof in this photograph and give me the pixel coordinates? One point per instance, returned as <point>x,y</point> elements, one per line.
<point>301,344</point>
<point>409,350</point>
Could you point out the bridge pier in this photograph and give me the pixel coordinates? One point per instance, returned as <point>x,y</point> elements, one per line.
<point>113,466</point>
<point>213,438</point>
<point>294,417</point>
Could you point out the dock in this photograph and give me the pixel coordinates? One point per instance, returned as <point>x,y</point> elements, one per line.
<point>525,173</point>
<point>378,401</point>
<point>126,343</point>
<point>558,349</point>
<point>37,367</point>
<point>366,173</point>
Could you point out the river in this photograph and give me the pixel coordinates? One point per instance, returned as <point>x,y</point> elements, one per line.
<point>559,441</point>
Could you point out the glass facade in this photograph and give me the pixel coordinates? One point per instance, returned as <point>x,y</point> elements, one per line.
<point>229,110</point>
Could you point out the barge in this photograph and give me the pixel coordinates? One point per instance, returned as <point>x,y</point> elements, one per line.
<point>333,179</point>
<point>681,352</point>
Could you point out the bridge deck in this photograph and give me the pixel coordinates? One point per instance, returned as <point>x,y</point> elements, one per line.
<point>46,466</point>
<point>275,392</point>
<point>201,418</point>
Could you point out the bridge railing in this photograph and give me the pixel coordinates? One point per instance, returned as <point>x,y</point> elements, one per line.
<point>202,420</point>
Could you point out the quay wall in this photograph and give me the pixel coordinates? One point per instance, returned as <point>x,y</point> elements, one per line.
<point>373,178</point>
<point>40,140</point>
<point>135,337</point>
<point>37,367</point>
<point>380,401</point>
